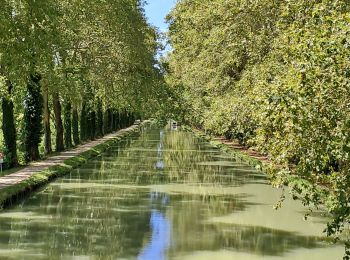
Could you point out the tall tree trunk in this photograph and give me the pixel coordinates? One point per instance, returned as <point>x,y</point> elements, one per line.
<point>75,126</point>
<point>99,123</point>
<point>111,120</point>
<point>118,120</point>
<point>83,123</point>
<point>68,125</point>
<point>91,124</point>
<point>132,118</point>
<point>47,128</point>
<point>115,120</point>
<point>9,129</point>
<point>123,119</point>
<point>105,122</point>
<point>33,109</point>
<point>58,122</point>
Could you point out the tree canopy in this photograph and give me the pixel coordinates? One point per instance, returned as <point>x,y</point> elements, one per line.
<point>93,60</point>
<point>107,45</point>
<point>275,76</point>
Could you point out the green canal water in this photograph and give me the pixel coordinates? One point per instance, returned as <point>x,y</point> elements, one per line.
<point>161,195</point>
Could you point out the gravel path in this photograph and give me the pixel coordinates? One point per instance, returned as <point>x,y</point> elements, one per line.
<point>40,166</point>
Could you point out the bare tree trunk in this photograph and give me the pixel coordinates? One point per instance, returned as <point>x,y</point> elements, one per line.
<point>47,129</point>
<point>58,122</point>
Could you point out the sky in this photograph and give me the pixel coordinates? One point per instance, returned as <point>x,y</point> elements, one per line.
<point>156,10</point>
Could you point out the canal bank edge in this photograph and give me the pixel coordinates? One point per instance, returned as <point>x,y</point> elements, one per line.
<point>264,167</point>
<point>237,154</point>
<point>12,193</point>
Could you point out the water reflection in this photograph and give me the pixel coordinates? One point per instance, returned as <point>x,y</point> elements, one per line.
<point>161,231</point>
<point>160,162</point>
<point>162,195</point>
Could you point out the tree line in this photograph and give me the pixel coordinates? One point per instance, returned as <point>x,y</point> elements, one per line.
<point>274,75</point>
<point>72,71</point>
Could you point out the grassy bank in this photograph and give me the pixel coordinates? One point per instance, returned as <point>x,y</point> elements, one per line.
<point>11,194</point>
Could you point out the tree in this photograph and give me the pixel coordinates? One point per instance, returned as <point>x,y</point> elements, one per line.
<point>46,120</point>
<point>265,75</point>
<point>83,123</point>
<point>75,127</point>
<point>58,122</point>
<point>33,107</point>
<point>99,122</point>
<point>68,125</point>
<point>102,59</point>
<point>9,128</point>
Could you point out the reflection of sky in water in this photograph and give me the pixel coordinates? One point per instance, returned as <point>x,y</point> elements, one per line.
<point>107,210</point>
<point>160,240</point>
<point>160,225</point>
<point>163,197</point>
<point>160,163</point>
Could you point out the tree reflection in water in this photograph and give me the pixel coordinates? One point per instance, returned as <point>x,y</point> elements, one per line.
<point>121,206</point>
<point>160,165</point>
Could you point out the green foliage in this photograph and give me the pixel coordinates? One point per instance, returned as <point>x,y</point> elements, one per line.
<point>273,75</point>
<point>9,131</point>
<point>96,54</point>
<point>33,106</point>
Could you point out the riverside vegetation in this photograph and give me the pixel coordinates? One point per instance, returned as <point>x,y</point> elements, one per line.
<point>72,71</point>
<point>274,75</point>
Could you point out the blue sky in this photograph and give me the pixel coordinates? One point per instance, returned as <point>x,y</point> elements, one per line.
<point>156,10</point>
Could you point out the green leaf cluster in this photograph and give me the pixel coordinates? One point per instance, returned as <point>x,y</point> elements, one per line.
<point>275,75</point>
<point>106,46</point>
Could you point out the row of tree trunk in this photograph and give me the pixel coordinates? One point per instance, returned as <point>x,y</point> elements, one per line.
<point>91,123</point>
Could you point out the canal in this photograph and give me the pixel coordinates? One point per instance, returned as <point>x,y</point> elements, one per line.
<point>162,195</point>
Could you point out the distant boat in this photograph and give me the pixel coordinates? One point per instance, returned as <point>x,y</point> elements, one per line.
<point>174,125</point>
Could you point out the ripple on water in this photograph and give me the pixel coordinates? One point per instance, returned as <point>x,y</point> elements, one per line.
<point>200,204</point>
